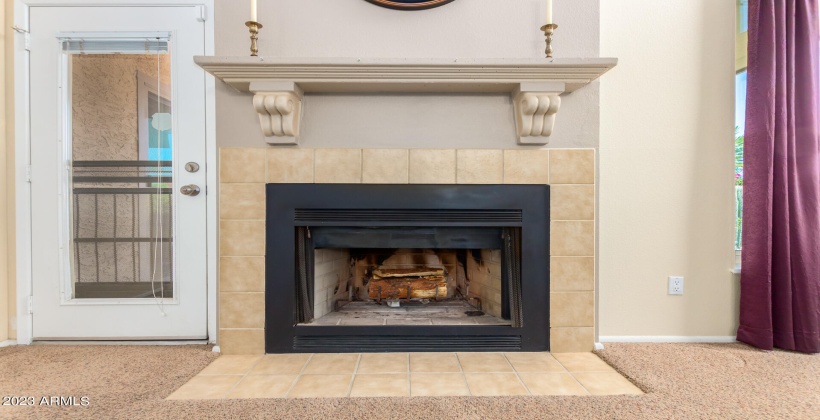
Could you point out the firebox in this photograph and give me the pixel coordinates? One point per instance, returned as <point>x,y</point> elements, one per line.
<point>371,268</point>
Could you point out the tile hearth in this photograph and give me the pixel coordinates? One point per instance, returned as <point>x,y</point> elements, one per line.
<point>340,375</point>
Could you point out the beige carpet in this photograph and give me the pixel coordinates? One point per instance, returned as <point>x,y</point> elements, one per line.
<point>681,381</point>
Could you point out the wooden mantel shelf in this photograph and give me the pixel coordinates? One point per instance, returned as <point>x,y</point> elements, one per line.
<point>404,75</point>
<point>279,84</point>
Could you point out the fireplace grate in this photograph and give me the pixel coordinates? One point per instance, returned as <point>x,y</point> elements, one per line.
<point>409,216</point>
<point>384,343</point>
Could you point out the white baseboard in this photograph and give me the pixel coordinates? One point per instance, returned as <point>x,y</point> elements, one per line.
<point>8,343</point>
<point>599,346</point>
<point>216,349</point>
<point>668,339</point>
<point>120,342</point>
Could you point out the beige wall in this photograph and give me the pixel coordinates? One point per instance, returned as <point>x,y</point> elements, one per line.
<point>4,166</point>
<point>666,128</point>
<point>356,28</point>
<point>666,168</point>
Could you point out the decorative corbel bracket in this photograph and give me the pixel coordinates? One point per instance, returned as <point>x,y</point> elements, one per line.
<point>279,105</point>
<point>536,106</point>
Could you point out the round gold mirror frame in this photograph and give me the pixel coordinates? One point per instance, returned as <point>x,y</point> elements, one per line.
<point>409,4</point>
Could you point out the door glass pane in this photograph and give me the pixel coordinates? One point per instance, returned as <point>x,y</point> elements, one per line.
<point>120,157</point>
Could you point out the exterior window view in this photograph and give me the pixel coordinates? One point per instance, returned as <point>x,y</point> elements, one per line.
<point>741,62</point>
<point>121,166</point>
<point>243,209</point>
<point>740,120</point>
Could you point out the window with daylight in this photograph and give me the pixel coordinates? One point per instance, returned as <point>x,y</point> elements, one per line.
<point>154,109</point>
<point>742,40</point>
<point>121,154</point>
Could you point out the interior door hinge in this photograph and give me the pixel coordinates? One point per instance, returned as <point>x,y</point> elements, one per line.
<point>30,304</point>
<point>26,36</point>
<point>28,173</point>
<point>203,14</point>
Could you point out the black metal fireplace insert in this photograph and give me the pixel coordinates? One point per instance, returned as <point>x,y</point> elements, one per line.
<point>304,217</point>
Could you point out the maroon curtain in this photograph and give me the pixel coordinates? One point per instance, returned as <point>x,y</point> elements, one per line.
<point>780,278</point>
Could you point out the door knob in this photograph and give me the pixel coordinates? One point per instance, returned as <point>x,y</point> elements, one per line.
<point>190,189</point>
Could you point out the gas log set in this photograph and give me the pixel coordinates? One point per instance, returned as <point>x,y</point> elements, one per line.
<point>422,286</point>
<point>407,283</point>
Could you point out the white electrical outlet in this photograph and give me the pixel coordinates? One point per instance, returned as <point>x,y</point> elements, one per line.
<point>675,285</point>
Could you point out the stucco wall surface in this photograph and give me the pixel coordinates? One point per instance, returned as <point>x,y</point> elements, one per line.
<point>104,103</point>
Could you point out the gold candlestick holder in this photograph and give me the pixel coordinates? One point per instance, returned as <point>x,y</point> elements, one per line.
<point>254,27</point>
<point>548,30</point>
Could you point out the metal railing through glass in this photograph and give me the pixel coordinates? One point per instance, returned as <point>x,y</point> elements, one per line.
<point>122,228</point>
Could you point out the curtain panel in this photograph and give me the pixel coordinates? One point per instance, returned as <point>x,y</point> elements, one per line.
<point>780,276</point>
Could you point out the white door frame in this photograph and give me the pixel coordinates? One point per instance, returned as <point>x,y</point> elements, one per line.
<point>22,154</point>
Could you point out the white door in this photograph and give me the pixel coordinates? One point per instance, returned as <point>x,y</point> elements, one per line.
<point>119,233</point>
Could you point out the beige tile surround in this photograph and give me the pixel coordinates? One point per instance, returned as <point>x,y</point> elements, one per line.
<point>353,375</point>
<point>244,172</point>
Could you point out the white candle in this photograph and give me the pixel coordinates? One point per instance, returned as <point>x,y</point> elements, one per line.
<point>549,12</point>
<point>253,11</point>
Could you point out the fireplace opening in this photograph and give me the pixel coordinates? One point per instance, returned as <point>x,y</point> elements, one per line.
<point>407,268</point>
<point>409,286</point>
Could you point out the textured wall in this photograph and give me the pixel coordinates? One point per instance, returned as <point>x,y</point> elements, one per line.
<point>666,168</point>
<point>356,28</point>
<point>104,103</point>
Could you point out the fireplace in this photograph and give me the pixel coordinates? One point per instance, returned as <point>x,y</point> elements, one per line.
<point>434,156</point>
<point>352,268</point>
